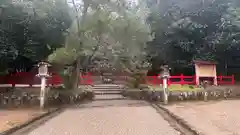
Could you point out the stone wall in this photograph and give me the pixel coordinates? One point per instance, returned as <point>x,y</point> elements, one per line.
<point>201,95</point>
<point>17,98</point>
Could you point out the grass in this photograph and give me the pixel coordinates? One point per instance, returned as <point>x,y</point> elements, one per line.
<point>175,87</point>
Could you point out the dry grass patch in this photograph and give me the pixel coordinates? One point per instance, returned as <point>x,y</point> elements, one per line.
<point>13,118</point>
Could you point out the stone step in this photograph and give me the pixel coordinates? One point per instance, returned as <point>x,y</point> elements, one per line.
<point>99,87</point>
<point>107,92</point>
<point>109,97</point>
<point>107,85</point>
<point>106,88</point>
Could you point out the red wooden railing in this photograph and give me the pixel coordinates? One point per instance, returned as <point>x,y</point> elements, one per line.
<point>30,79</point>
<point>221,80</point>
<point>86,79</point>
<point>55,79</point>
<point>154,80</point>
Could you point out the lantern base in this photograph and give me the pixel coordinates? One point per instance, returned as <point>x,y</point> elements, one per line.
<point>41,76</point>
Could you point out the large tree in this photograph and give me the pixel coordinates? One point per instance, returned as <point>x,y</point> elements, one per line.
<point>102,29</point>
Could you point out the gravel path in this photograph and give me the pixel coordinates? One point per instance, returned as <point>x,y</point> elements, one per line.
<point>117,118</point>
<point>210,118</point>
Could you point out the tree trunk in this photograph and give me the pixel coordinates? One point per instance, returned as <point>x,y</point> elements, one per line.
<point>67,82</point>
<point>71,76</point>
<point>76,74</point>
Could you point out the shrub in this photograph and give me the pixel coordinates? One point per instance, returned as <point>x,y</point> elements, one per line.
<point>136,79</point>
<point>191,87</point>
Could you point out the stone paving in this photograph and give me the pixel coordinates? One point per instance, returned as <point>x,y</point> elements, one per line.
<point>210,118</point>
<point>117,118</point>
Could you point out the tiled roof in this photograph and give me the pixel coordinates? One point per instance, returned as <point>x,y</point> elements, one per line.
<point>204,62</point>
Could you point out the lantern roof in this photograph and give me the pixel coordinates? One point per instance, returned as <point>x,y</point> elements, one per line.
<point>43,63</point>
<point>204,62</point>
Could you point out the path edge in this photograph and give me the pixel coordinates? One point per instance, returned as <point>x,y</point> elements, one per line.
<point>178,119</point>
<point>29,122</point>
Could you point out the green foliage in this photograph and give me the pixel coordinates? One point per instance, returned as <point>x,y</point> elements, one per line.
<point>109,30</point>
<point>105,32</point>
<point>187,30</point>
<point>63,56</point>
<point>32,29</point>
<point>136,79</point>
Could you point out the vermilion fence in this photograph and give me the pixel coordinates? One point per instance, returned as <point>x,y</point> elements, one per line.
<point>154,80</point>
<point>181,79</point>
<point>225,79</point>
<point>55,79</point>
<point>29,78</point>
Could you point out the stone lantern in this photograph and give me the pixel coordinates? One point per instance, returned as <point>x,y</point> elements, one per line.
<point>43,69</point>
<point>164,75</point>
<point>43,74</point>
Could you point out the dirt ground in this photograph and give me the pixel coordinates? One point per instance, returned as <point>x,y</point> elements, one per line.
<point>210,118</point>
<point>12,118</point>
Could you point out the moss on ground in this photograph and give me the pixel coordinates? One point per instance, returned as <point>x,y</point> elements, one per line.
<point>175,87</point>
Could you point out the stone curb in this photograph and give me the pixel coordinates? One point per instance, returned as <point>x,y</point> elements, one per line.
<point>180,120</point>
<point>16,128</point>
<point>134,94</point>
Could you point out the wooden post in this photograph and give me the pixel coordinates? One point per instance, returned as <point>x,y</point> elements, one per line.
<point>13,80</point>
<point>197,80</point>
<point>233,80</point>
<point>90,79</point>
<point>215,81</point>
<point>196,74</point>
<point>194,80</point>
<point>182,79</point>
<point>168,81</point>
<point>155,80</point>
<point>220,78</point>
<point>159,81</point>
<point>215,76</point>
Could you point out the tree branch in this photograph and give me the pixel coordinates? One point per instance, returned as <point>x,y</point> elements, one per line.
<point>96,48</point>
<point>85,9</point>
